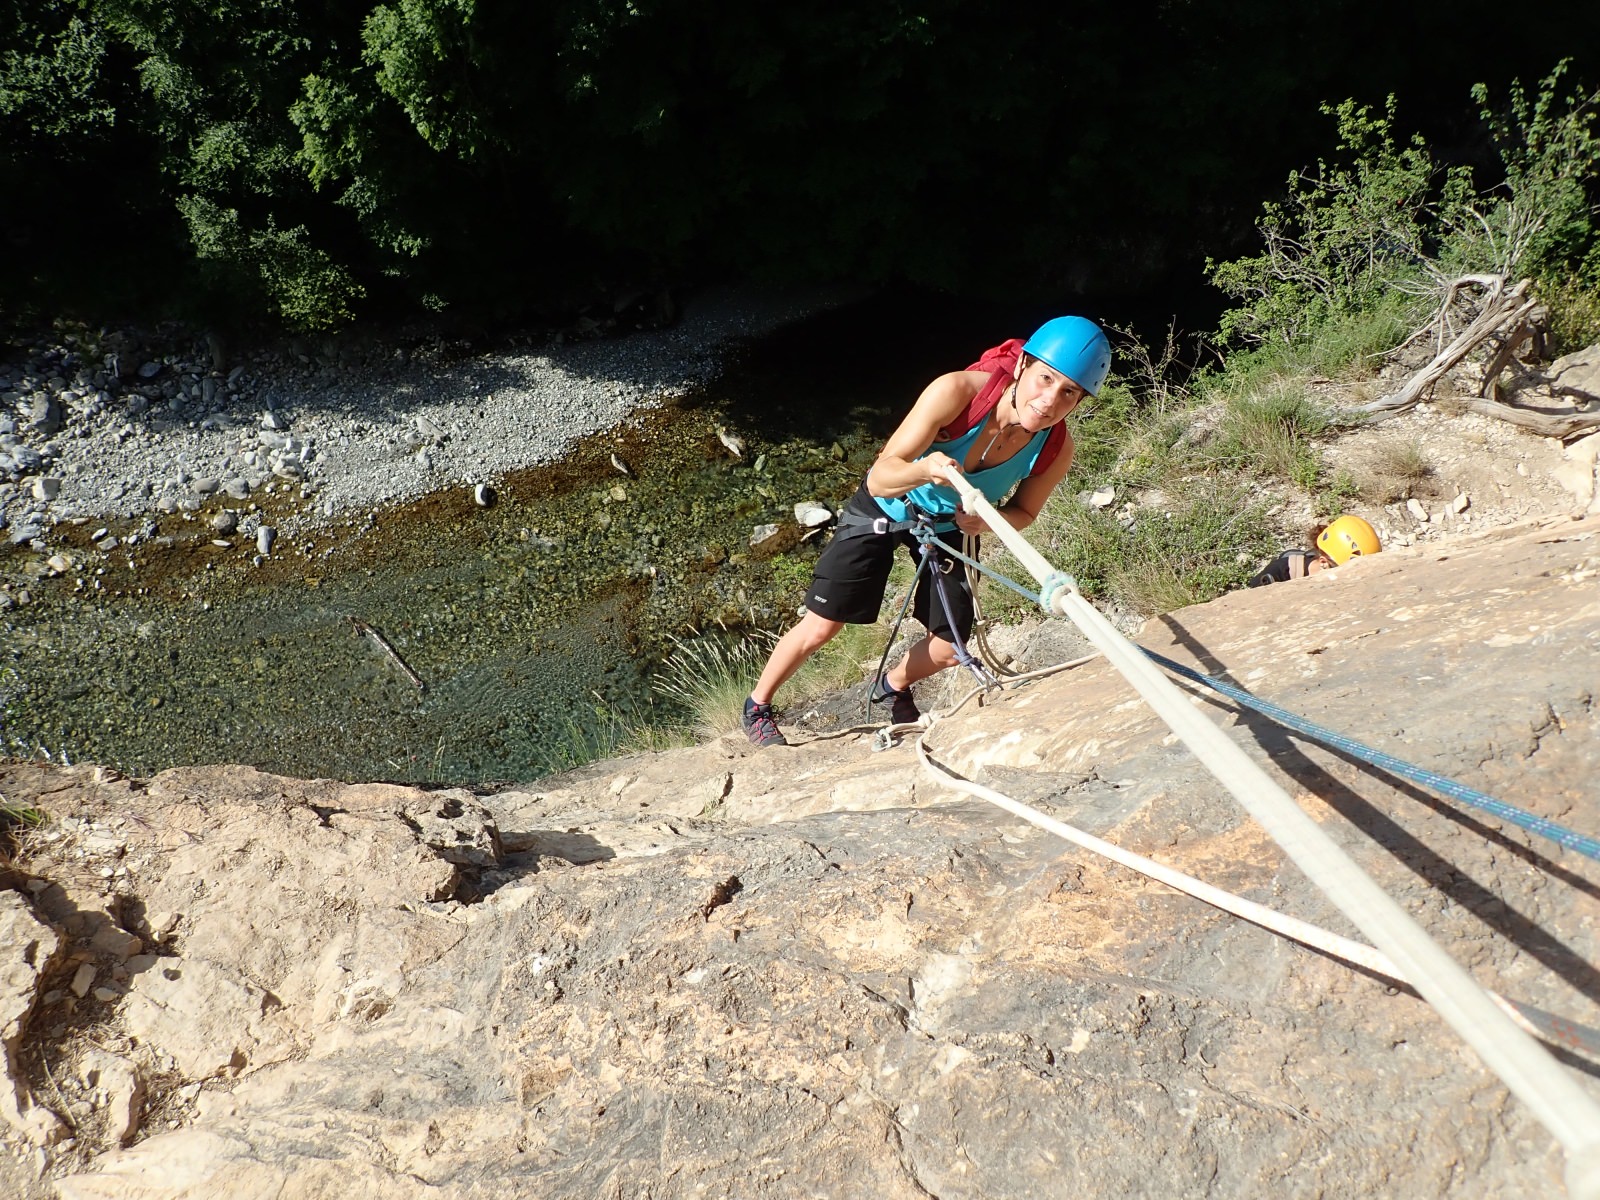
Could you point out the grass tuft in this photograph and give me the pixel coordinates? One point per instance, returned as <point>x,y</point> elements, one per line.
<point>706,679</point>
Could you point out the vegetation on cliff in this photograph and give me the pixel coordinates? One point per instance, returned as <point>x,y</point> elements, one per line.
<point>254,157</point>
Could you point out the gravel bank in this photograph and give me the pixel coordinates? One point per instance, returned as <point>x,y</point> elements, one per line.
<point>119,424</point>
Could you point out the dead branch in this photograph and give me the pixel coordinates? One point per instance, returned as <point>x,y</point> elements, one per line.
<point>382,643</point>
<point>1499,308</point>
<point>1528,330</point>
<point>1564,426</point>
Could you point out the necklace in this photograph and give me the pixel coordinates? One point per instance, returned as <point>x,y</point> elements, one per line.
<point>1000,430</point>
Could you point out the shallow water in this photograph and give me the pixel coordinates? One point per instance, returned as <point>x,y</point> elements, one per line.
<point>530,623</point>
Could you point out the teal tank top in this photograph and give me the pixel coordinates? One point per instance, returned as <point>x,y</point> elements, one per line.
<point>994,482</point>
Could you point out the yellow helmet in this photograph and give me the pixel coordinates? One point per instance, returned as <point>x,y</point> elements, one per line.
<point>1347,537</point>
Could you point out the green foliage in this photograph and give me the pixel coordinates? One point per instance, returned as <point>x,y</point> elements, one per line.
<point>50,79</point>
<point>305,287</point>
<point>1269,433</point>
<point>1336,495</point>
<point>1188,549</point>
<point>1575,307</point>
<point>1350,230</point>
<point>1540,221</point>
<point>1374,233</point>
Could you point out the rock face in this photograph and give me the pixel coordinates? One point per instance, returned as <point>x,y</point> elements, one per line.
<point>815,971</point>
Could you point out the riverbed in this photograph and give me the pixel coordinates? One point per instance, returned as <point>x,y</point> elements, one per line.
<point>445,639</point>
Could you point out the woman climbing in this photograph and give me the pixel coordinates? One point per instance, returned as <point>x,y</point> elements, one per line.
<point>1000,423</point>
<point>1337,543</point>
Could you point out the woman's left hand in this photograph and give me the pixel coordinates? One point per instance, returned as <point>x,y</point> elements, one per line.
<point>968,523</point>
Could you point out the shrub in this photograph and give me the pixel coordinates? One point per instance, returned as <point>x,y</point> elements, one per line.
<point>1346,234</point>
<point>1269,433</point>
<point>1540,220</point>
<point>706,678</point>
<point>1156,558</point>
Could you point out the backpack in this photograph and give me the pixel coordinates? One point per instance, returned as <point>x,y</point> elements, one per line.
<point>1001,361</point>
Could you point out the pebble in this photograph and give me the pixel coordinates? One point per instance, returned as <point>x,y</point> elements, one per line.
<point>265,536</point>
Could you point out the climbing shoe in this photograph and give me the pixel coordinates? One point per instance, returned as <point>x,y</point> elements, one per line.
<point>902,704</point>
<point>761,725</point>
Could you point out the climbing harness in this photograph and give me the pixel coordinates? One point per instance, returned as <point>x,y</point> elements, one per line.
<point>1503,1044</point>
<point>936,561</point>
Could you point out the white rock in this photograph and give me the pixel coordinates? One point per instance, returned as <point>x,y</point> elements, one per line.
<point>763,533</point>
<point>483,495</point>
<point>82,979</point>
<point>1415,508</point>
<point>1460,503</point>
<point>812,513</point>
<point>265,536</point>
<point>1104,497</point>
<point>46,487</point>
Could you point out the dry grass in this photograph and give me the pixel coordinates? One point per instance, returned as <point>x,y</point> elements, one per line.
<point>1391,470</point>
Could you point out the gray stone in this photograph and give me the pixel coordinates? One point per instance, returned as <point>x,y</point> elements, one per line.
<point>44,415</point>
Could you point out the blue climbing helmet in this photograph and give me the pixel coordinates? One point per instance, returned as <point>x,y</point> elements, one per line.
<point>1076,347</point>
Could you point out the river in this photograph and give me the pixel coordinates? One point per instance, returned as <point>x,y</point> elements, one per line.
<point>505,642</point>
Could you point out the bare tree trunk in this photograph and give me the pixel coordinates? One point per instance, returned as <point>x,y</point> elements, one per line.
<point>1556,425</point>
<point>1500,308</point>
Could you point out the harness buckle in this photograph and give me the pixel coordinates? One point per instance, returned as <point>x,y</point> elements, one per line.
<point>880,525</point>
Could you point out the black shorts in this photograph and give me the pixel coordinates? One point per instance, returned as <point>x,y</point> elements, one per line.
<point>853,573</point>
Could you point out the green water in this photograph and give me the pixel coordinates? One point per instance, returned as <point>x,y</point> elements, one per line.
<point>531,623</point>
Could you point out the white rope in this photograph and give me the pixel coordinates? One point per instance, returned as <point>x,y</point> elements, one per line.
<point>1557,1030</point>
<point>1533,1076</point>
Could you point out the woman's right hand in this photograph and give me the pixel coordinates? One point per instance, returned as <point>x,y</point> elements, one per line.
<point>940,468</point>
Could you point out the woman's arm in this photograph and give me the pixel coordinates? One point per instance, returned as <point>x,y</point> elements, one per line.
<point>898,468</point>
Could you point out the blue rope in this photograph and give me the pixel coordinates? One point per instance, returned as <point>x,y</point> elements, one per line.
<point>1432,780</point>
<point>976,565</point>
<point>1559,834</point>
